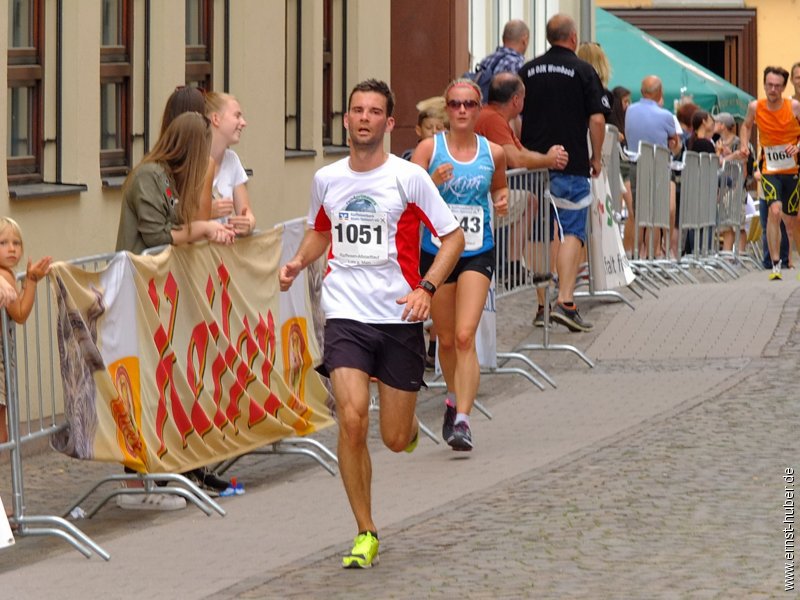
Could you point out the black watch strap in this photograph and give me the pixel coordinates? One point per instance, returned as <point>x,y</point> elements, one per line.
<point>427,286</point>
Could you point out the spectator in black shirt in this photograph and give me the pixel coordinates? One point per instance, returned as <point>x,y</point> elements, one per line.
<point>563,100</point>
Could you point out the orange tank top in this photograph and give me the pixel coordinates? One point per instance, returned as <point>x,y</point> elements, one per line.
<point>776,130</point>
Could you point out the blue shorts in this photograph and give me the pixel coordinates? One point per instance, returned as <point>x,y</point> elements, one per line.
<point>574,189</point>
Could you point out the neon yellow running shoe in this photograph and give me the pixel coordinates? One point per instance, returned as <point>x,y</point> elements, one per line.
<point>412,445</point>
<point>776,272</point>
<point>364,553</point>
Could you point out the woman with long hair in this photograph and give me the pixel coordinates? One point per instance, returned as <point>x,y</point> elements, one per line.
<point>230,200</point>
<point>161,196</point>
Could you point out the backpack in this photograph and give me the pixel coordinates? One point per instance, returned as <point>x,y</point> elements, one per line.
<point>483,73</point>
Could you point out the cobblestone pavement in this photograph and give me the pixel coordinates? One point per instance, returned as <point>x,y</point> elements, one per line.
<point>656,475</point>
<point>686,505</point>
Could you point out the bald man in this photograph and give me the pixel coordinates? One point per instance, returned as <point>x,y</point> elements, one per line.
<point>647,121</point>
<point>509,57</point>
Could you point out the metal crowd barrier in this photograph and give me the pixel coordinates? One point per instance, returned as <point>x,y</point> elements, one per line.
<point>611,162</point>
<point>35,408</point>
<point>34,405</point>
<point>700,192</point>
<point>730,212</point>
<point>528,236</point>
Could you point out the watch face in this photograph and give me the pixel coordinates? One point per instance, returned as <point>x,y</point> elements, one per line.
<point>427,285</point>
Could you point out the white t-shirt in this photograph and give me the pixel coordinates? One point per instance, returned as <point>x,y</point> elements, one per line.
<point>230,174</point>
<point>374,220</point>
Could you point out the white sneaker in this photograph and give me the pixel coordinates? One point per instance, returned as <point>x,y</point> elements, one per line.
<point>150,502</point>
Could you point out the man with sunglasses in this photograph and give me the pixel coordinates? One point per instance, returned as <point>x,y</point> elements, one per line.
<point>563,99</point>
<point>368,208</point>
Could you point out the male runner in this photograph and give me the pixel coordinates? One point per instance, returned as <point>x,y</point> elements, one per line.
<point>368,207</point>
<point>778,124</point>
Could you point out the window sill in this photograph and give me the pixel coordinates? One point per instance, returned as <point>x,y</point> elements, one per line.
<point>299,153</point>
<point>336,150</point>
<point>114,182</point>
<point>43,190</point>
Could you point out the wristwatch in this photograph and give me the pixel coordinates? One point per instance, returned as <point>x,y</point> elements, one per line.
<point>427,286</point>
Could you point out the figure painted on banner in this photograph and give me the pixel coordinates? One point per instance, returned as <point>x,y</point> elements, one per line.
<point>161,196</point>
<point>476,180</point>
<point>11,252</point>
<point>368,208</point>
<point>230,200</point>
<point>297,361</point>
<point>79,359</point>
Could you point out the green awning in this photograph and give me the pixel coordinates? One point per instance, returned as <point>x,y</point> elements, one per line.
<point>634,54</point>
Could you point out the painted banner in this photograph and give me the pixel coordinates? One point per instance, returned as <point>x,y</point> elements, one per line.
<point>188,357</point>
<point>610,266</point>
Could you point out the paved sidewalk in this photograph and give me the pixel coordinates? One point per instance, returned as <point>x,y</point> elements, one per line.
<point>656,474</point>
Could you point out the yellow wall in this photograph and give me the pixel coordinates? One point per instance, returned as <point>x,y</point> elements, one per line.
<point>777,22</point>
<point>86,223</point>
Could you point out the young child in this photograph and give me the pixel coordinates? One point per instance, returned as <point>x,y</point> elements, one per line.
<point>431,120</point>
<point>11,250</point>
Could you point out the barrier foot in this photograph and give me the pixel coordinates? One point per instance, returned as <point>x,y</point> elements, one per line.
<point>189,492</point>
<point>428,432</point>
<point>300,441</point>
<point>562,347</point>
<point>606,294</point>
<point>519,356</point>
<point>73,536</point>
<point>514,371</point>
<point>281,448</point>
<point>482,409</point>
<point>636,292</point>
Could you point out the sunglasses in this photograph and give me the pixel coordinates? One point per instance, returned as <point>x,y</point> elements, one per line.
<point>468,104</point>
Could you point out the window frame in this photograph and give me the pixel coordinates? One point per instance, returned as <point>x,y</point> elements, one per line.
<point>26,70</point>
<point>116,67</point>
<point>334,72</point>
<point>200,57</point>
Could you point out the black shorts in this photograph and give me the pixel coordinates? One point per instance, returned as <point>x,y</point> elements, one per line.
<point>394,353</point>
<point>483,263</point>
<point>783,187</point>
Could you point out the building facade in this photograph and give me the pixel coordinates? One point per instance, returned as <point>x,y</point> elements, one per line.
<point>87,82</point>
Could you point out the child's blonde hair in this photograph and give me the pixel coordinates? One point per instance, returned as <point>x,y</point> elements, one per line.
<point>432,108</point>
<point>6,222</point>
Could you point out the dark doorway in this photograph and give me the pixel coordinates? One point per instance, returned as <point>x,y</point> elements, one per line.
<point>709,54</point>
<point>723,40</point>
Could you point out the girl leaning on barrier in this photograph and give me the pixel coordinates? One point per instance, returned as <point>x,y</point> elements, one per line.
<point>230,200</point>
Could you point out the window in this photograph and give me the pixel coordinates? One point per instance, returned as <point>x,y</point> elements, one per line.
<point>115,87</point>
<point>334,71</point>
<point>199,33</point>
<point>294,74</point>
<point>25,82</point>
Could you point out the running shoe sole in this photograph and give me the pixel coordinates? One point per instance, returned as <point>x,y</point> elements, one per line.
<point>459,444</point>
<point>569,323</point>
